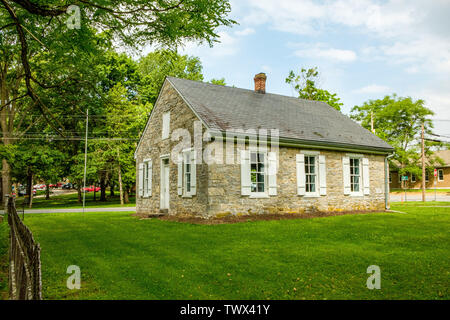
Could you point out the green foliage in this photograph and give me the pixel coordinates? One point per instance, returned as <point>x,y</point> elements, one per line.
<point>254,260</point>
<point>220,82</point>
<point>4,244</point>
<point>157,65</point>
<point>305,83</point>
<point>398,121</point>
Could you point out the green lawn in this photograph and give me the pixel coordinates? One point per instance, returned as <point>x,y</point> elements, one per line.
<point>69,201</point>
<point>3,259</point>
<point>123,257</point>
<point>397,190</point>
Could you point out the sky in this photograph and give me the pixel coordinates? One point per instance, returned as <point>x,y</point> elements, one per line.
<point>364,49</point>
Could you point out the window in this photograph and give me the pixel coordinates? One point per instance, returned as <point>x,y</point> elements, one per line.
<point>166,125</point>
<point>257,172</point>
<point>310,174</point>
<point>187,174</point>
<point>399,177</point>
<point>441,175</point>
<point>145,178</point>
<point>355,175</point>
<point>413,178</point>
<point>390,177</point>
<point>426,176</point>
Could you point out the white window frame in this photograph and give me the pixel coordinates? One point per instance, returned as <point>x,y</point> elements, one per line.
<point>147,178</point>
<point>165,125</point>
<point>438,176</point>
<point>186,161</point>
<point>187,154</point>
<point>360,192</point>
<point>265,193</point>
<point>316,175</point>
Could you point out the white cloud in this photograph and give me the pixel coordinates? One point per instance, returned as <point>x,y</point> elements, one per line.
<point>245,32</point>
<point>320,50</point>
<point>409,32</point>
<point>372,89</point>
<point>228,46</point>
<point>307,16</point>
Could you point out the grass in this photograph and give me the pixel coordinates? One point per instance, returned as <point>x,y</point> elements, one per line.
<point>397,190</point>
<point>123,257</point>
<point>70,201</point>
<point>4,232</point>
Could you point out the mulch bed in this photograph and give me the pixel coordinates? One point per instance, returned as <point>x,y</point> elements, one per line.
<point>255,217</point>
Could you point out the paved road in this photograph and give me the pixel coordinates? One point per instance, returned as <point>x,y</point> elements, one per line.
<point>105,209</point>
<point>418,197</point>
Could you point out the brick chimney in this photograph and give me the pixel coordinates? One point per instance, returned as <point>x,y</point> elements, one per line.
<point>260,83</point>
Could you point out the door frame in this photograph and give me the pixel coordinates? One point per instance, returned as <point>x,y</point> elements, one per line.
<point>162,205</point>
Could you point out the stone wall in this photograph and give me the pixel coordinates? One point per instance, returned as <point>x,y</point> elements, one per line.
<point>153,147</point>
<point>225,188</point>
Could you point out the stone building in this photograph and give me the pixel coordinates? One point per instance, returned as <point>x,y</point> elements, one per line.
<point>214,150</point>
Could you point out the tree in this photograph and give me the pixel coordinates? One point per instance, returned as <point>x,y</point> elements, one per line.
<point>398,121</point>
<point>220,82</point>
<point>305,83</point>
<point>124,119</point>
<point>49,56</point>
<point>154,68</point>
<point>132,23</point>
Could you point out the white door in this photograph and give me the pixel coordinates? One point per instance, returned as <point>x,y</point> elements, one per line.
<point>165,184</point>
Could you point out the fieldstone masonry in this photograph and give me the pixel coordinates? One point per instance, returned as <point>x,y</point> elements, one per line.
<point>219,185</point>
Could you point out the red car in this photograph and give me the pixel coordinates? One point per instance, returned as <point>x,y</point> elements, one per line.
<point>92,188</point>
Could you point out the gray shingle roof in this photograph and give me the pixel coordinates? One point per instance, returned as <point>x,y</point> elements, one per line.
<point>226,108</point>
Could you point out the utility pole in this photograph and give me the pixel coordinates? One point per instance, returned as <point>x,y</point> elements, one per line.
<point>85,159</point>
<point>423,163</point>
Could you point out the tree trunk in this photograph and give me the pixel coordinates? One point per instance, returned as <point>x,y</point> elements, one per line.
<point>30,188</point>
<point>6,179</point>
<point>119,171</point>
<point>126,198</point>
<point>95,192</point>
<point>47,191</point>
<point>102,188</point>
<point>80,199</point>
<point>111,189</point>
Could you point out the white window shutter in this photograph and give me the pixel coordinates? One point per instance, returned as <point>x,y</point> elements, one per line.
<point>180,175</point>
<point>245,173</point>
<point>145,181</point>
<point>272,174</point>
<point>150,175</point>
<point>141,179</point>
<point>301,179</point>
<point>322,175</point>
<point>193,173</point>
<point>366,177</point>
<point>346,174</point>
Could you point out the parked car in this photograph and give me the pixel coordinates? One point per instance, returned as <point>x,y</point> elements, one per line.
<point>67,186</point>
<point>92,188</point>
<point>23,191</point>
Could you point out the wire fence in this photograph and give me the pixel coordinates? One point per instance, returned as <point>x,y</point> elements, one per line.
<point>24,259</point>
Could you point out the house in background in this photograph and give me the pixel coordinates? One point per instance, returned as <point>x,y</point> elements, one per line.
<point>323,161</point>
<point>443,175</point>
